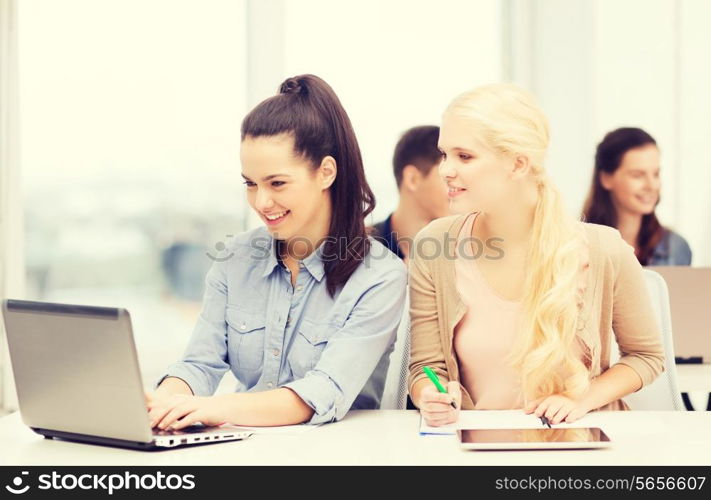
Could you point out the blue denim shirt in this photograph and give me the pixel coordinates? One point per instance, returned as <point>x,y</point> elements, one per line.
<point>333,352</point>
<point>672,250</point>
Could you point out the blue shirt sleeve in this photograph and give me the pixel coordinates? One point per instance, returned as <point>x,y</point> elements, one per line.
<point>679,250</point>
<point>205,359</point>
<point>353,352</point>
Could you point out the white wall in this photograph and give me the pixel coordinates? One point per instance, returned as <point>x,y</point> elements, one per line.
<point>394,65</point>
<point>551,54</point>
<point>596,66</point>
<point>635,82</point>
<point>694,174</point>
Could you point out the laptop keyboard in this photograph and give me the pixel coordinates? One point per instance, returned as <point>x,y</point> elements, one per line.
<point>191,429</point>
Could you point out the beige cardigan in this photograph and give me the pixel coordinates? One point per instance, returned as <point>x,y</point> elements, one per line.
<point>616,300</point>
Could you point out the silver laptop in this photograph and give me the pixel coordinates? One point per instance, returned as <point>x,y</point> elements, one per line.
<point>690,303</point>
<point>78,378</point>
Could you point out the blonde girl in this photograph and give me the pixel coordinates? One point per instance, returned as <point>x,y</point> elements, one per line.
<point>514,302</point>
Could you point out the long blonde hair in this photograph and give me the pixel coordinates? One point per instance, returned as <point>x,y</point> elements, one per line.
<point>546,353</point>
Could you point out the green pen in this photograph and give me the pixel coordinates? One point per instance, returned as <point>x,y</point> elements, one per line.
<point>435,380</point>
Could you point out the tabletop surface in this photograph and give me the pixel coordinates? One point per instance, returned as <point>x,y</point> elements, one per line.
<point>387,437</point>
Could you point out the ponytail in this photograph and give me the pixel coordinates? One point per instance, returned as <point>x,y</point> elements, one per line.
<point>548,353</point>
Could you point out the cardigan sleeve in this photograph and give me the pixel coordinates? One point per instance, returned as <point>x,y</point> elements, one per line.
<point>637,333</point>
<point>425,341</point>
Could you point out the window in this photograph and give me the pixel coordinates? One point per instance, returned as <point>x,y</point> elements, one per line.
<point>130,115</point>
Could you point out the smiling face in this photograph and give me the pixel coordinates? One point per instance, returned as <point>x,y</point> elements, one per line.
<point>289,195</point>
<point>478,178</point>
<point>635,186</point>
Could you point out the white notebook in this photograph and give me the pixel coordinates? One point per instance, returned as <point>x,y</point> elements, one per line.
<point>488,419</point>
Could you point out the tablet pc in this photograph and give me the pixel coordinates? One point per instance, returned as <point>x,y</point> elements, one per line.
<point>533,439</point>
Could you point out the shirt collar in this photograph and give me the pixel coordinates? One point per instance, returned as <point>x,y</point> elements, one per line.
<point>313,263</point>
<point>272,261</point>
<point>391,238</point>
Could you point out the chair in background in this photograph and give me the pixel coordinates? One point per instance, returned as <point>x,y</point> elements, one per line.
<point>395,391</point>
<point>663,393</point>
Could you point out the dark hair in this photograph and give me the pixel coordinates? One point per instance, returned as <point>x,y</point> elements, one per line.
<point>307,108</point>
<point>418,147</point>
<point>598,206</point>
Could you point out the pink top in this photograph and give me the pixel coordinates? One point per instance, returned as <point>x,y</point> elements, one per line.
<point>484,336</point>
<point>614,305</point>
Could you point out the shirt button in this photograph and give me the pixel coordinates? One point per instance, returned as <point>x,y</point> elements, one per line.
<point>275,352</point>
<point>243,326</point>
<point>299,288</point>
<point>270,385</point>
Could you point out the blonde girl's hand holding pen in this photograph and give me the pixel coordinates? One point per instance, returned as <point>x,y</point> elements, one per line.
<point>557,409</point>
<point>438,407</point>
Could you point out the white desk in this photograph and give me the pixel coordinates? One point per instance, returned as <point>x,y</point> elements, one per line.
<point>694,377</point>
<point>387,438</point>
